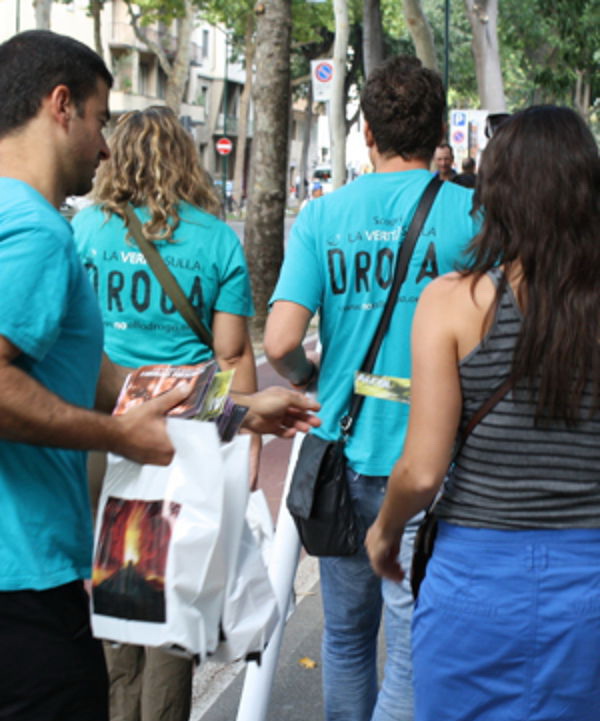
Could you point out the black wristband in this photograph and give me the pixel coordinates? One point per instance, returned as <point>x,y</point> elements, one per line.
<point>311,376</point>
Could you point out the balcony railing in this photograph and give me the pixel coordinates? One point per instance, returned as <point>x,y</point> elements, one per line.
<point>123,34</point>
<point>233,125</point>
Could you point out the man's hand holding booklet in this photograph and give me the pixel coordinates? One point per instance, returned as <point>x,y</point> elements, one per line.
<point>278,410</point>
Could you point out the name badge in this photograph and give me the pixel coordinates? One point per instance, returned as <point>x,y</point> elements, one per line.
<point>387,388</point>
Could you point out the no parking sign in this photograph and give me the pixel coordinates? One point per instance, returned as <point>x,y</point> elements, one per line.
<point>322,76</point>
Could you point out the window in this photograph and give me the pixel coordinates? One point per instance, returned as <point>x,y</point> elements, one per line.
<point>202,96</point>
<point>162,83</point>
<point>144,78</point>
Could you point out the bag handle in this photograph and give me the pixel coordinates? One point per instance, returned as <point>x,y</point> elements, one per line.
<point>167,279</point>
<point>482,412</point>
<point>400,271</point>
<point>475,419</point>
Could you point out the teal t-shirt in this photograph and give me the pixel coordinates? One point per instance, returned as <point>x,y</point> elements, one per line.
<point>340,261</point>
<point>141,324</point>
<point>49,311</point>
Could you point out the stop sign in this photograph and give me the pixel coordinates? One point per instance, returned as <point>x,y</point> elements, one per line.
<point>224,146</point>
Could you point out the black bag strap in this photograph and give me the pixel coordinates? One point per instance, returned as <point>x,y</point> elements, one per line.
<point>400,271</point>
<point>482,412</point>
<point>167,279</point>
<point>475,419</point>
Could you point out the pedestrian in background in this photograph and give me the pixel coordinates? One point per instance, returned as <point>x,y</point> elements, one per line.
<point>339,262</point>
<point>443,159</point>
<point>507,623</point>
<point>155,167</point>
<point>467,178</point>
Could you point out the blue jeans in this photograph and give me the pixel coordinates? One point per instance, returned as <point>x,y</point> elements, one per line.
<point>353,598</point>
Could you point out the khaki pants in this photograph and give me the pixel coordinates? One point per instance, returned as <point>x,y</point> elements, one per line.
<point>96,468</point>
<point>147,684</point>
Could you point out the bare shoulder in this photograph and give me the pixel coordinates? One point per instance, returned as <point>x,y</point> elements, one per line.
<point>460,288</point>
<point>445,288</point>
<point>458,306</point>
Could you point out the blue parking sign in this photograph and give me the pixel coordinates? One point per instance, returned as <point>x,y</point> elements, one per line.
<point>459,118</point>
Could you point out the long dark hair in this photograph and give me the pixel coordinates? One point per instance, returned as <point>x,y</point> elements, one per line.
<point>539,191</point>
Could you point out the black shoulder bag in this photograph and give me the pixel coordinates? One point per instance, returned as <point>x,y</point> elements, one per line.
<point>427,531</point>
<point>319,499</point>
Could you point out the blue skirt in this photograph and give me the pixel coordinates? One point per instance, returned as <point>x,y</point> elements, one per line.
<point>507,627</point>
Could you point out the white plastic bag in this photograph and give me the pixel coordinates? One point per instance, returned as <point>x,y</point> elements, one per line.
<point>260,521</point>
<point>175,564</point>
<point>250,611</point>
<point>159,573</point>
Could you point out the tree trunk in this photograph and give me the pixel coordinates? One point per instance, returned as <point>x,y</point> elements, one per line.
<point>483,16</point>
<point>95,7</point>
<point>421,34</point>
<point>337,104</point>
<point>372,45</point>
<point>42,9</point>
<point>582,94</point>
<point>244,111</point>
<point>264,230</point>
<point>179,69</point>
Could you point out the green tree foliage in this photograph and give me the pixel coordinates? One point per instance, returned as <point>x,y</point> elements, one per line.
<point>550,49</point>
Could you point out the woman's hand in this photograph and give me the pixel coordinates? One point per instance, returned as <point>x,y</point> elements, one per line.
<point>279,411</point>
<point>383,552</point>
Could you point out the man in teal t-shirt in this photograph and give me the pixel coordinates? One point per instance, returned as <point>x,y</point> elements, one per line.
<point>54,106</point>
<point>339,263</point>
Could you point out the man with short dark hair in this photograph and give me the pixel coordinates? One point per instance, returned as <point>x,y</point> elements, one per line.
<point>54,107</point>
<point>339,262</point>
<point>444,159</point>
<point>467,178</point>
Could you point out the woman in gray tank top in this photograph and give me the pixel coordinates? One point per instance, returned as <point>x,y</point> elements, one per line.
<point>507,623</point>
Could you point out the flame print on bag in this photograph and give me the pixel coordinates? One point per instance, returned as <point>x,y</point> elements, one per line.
<point>131,556</point>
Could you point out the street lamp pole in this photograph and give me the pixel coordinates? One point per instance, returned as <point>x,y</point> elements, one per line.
<point>225,158</point>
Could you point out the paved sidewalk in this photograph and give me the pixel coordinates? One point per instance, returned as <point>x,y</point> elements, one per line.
<point>296,694</point>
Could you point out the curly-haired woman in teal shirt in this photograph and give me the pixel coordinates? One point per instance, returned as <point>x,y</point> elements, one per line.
<point>154,166</point>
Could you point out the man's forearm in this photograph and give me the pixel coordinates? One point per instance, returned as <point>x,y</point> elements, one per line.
<point>30,413</point>
<point>110,382</point>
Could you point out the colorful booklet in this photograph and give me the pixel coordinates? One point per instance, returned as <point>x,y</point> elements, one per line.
<point>208,401</point>
<point>149,382</point>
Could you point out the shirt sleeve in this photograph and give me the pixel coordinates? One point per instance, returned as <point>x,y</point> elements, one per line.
<point>79,234</point>
<point>35,273</point>
<point>301,276</point>
<point>235,295</point>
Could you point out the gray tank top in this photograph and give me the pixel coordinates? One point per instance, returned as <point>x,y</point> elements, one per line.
<point>511,473</point>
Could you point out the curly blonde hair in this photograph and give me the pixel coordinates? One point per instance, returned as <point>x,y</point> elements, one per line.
<point>155,163</point>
